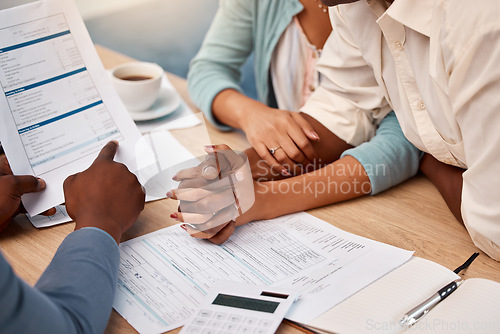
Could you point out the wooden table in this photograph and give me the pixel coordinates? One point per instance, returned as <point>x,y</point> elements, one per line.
<point>412,216</point>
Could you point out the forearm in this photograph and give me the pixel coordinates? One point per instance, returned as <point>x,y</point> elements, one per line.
<point>448,180</point>
<point>342,180</point>
<point>231,107</point>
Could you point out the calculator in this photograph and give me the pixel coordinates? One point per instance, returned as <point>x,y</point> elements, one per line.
<point>231,307</point>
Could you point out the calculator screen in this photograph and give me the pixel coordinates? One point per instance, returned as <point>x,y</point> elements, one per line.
<point>246,303</point>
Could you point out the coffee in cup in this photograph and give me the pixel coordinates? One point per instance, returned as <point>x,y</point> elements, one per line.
<point>138,84</point>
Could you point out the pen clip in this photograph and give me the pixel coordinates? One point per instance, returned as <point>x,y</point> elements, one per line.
<point>448,289</point>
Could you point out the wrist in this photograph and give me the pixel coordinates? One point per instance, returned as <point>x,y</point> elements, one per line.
<point>107,225</point>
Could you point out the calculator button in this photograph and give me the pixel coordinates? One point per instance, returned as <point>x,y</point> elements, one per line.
<point>265,323</point>
<point>205,313</point>
<point>250,321</point>
<point>220,316</point>
<point>215,324</point>
<point>200,322</point>
<point>209,331</point>
<point>193,330</point>
<point>235,318</point>
<point>260,330</point>
<point>245,329</point>
<point>230,327</point>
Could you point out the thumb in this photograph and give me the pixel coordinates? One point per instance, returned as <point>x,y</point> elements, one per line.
<point>28,184</point>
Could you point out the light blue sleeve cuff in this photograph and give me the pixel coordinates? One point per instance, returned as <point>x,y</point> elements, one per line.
<point>388,158</point>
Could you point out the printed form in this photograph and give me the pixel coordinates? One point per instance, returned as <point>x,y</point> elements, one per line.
<point>165,275</point>
<point>58,107</point>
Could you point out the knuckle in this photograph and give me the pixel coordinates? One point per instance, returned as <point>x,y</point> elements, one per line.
<point>204,205</point>
<point>11,181</point>
<point>295,155</point>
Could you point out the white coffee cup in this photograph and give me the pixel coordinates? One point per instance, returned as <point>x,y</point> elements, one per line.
<point>138,84</point>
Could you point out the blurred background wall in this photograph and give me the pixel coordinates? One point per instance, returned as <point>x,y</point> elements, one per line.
<point>167,32</point>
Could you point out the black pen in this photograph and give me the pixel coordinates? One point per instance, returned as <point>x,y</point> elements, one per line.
<point>416,313</point>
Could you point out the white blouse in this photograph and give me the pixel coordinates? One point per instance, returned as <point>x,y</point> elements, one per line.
<point>293,68</point>
<point>437,64</point>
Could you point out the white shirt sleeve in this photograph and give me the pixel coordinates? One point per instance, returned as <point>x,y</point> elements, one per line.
<point>473,87</point>
<point>349,100</point>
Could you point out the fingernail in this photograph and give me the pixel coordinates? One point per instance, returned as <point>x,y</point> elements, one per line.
<point>314,135</point>
<point>175,178</point>
<point>41,183</point>
<point>183,227</point>
<point>170,194</point>
<point>209,148</point>
<point>174,216</point>
<point>116,142</point>
<point>239,176</point>
<point>285,172</point>
<point>210,171</point>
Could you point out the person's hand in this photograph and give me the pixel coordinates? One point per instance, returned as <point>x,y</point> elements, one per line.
<point>106,195</point>
<point>215,192</point>
<point>282,138</point>
<point>263,208</point>
<point>12,188</point>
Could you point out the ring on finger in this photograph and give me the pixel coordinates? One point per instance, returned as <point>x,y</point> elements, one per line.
<point>273,150</point>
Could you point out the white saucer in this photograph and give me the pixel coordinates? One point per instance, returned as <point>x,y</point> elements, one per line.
<point>167,103</point>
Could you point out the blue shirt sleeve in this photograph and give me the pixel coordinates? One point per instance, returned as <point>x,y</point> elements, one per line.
<point>388,158</point>
<point>74,294</point>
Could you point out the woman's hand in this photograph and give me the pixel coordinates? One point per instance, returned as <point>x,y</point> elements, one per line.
<point>214,193</point>
<point>218,233</point>
<point>286,134</point>
<point>282,138</point>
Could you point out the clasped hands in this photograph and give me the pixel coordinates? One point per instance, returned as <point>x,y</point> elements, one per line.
<point>214,194</point>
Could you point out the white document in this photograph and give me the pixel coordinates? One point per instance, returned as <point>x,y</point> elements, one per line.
<point>159,157</point>
<point>61,216</point>
<point>58,107</point>
<point>164,275</point>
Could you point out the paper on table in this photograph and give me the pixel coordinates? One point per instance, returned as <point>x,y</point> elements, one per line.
<point>61,216</point>
<point>187,121</point>
<point>159,157</point>
<point>380,306</point>
<point>164,275</point>
<point>58,107</point>
<point>355,263</point>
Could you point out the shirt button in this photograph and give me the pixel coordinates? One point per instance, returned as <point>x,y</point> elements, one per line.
<point>312,88</point>
<point>399,45</point>
<point>420,105</point>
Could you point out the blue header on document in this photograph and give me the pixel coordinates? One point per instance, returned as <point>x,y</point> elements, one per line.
<point>55,119</point>
<point>39,40</point>
<point>44,82</point>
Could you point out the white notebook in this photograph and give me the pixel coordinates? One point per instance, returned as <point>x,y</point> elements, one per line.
<point>473,308</point>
